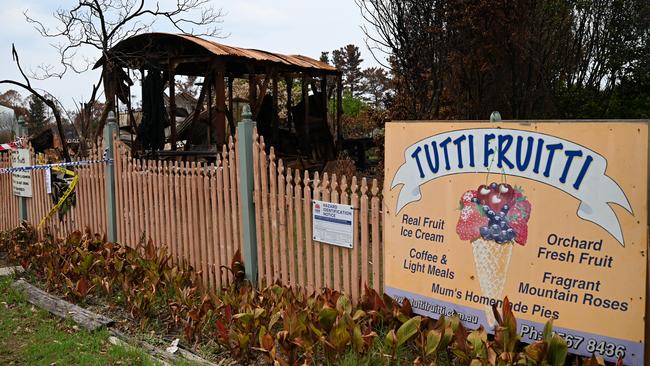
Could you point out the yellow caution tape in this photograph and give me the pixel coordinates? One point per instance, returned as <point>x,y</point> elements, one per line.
<point>65,196</point>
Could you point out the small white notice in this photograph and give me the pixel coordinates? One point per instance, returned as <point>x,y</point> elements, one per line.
<point>48,181</point>
<point>21,181</point>
<point>332,223</point>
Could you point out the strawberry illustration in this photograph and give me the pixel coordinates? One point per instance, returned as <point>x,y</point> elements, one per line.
<point>520,210</point>
<point>520,228</point>
<point>467,198</point>
<point>470,222</point>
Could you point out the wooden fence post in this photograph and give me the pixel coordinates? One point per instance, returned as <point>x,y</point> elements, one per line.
<point>111,216</point>
<point>245,151</point>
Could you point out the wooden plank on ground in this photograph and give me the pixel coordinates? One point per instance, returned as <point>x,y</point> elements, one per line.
<point>62,308</point>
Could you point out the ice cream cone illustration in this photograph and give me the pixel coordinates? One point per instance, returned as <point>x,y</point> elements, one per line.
<point>491,261</point>
<point>493,218</point>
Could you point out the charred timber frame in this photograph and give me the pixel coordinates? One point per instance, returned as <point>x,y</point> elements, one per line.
<point>288,79</point>
<point>219,124</point>
<point>172,103</point>
<point>176,54</point>
<point>231,113</point>
<point>305,100</point>
<point>276,117</point>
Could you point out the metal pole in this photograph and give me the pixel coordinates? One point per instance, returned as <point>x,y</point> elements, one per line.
<point>111,215</point>
<point>21,131</point>
<point>245,151</point>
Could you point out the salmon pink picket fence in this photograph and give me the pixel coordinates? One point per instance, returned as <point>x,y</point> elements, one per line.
<point>193,209</point>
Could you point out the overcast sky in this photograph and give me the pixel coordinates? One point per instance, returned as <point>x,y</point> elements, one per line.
<point>286,26</point>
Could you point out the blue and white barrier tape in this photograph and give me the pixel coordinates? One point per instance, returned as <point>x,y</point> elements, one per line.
<point>49,166</point>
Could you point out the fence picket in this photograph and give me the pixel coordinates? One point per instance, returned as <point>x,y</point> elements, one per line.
<point>356,280</point>
<point>282,224</point>
<point>213,251</point>
<point>301,275</point>
<point>310,284</point>
<point>336,250</point>
<point>234,197</point>
<point>204,226</point>
<point>290,220</point>
<point>227,206</point>
<point>364,233</point>
<point>317,249</point>
<point>177,214</point>
<point>222,227</point>
<point>265,213</point>
<point>257,197</point>
<point>346,253</point>
<point>273,213</point>
<point>374,223</point>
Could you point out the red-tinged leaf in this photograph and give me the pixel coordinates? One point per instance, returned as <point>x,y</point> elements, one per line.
<point>206,305</point>
<point>460,338</point>
<point>509,319</point>
<point>150,249</point>
<point>227,313</point>
<point>369,338</point>
<point>83,287</point>
<point>188,331</point>
<point>267,342</point>
<point>406,308</point>
<point>497,316</point>
<point>222,331</point>
<point>194,315</point>
<point>237,267</point>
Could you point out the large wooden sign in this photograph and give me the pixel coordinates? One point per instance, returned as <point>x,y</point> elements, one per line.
<point>551,214</point>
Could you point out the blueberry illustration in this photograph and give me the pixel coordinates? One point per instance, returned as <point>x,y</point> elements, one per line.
<point>490,213</point>
<point>505,208</point>
<point>485,208</point>
<point>474,199</point>
<point>484,231</point>
<point>495,230</point>
<point>493,185</point>
<point>502,214</point>
<point>497,219</point>
<point>503,225</point>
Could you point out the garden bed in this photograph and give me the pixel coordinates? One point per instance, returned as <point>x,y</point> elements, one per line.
<point>157,301</point>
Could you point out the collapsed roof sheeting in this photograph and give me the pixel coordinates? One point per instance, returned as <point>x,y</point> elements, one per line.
<point>192,56</point>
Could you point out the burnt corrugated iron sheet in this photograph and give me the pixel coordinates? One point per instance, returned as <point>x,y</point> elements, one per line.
<point>219,49</point>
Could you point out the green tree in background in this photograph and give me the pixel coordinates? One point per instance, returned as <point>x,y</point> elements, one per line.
<point>348,60</point>
<point>374,85</point>
<point>37,117</point>
<point>325,57</point>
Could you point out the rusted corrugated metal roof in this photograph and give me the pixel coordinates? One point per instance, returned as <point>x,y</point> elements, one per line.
<point>135,43</point>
